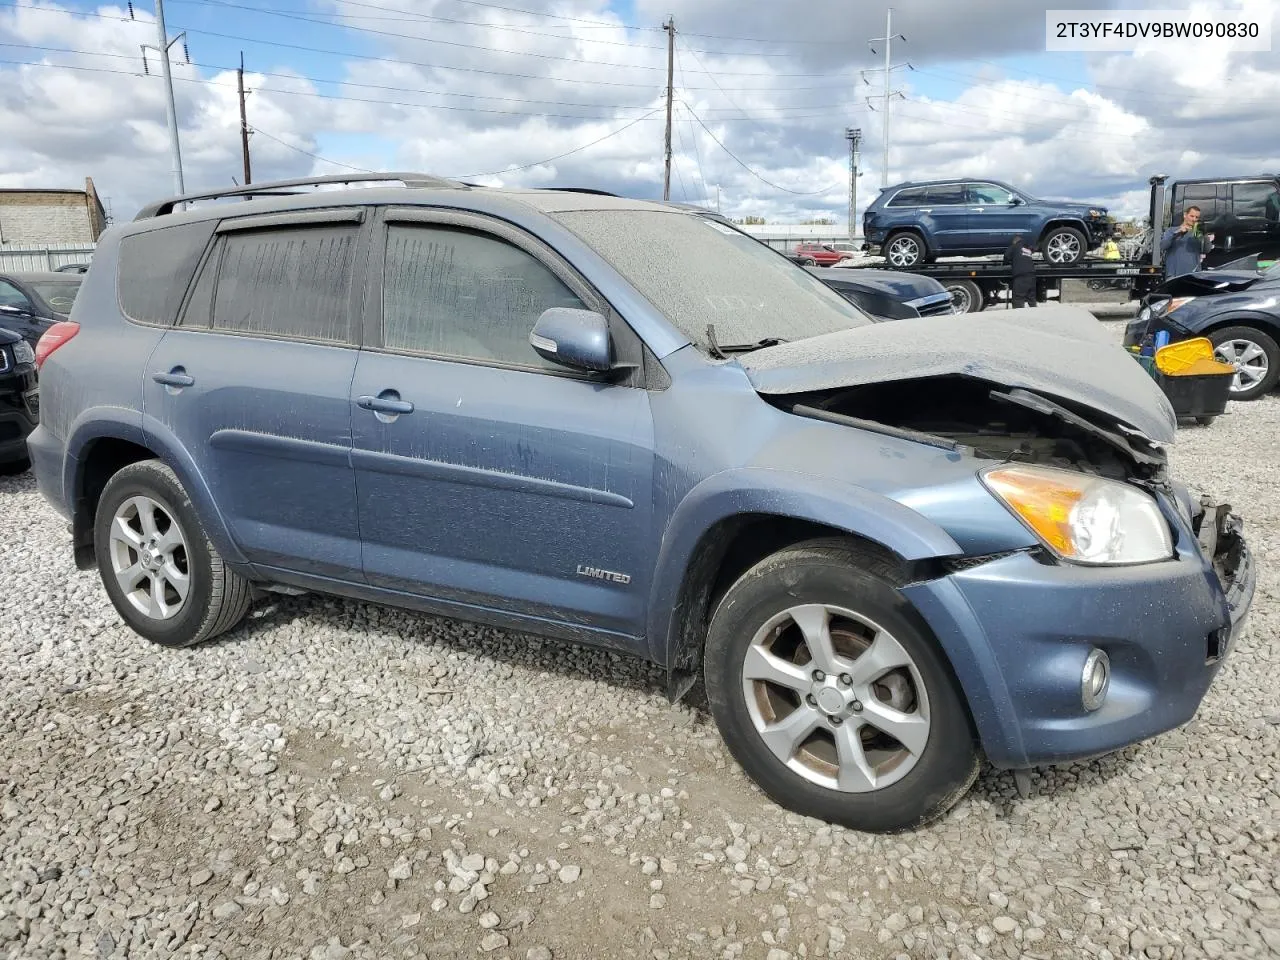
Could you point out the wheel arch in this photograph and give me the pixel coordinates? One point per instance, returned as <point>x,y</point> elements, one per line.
<point>99,446</point>
<point>731,521</point>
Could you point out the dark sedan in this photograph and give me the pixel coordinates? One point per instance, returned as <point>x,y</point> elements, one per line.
<point>30,303</point>
<point>1237,307</point>
<point>887,294</point>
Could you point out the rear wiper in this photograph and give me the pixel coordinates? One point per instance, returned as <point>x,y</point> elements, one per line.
<point>722,351</point>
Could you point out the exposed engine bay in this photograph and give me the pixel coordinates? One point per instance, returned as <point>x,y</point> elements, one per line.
<point>991,421</point>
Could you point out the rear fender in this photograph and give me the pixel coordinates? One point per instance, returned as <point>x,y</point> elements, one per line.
<point>117,423</point>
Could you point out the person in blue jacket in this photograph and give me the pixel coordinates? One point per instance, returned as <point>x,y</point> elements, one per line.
<point>1183,246</point>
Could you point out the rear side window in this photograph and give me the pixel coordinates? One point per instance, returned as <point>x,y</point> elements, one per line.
<point>1202,195</point>
<point>155,268</point>
<point>458,293</point>
<point>947,195</point>
<point>291,282</point>
<point>911,197</point>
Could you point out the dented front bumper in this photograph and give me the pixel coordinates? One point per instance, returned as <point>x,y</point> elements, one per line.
<point>1019,628</point>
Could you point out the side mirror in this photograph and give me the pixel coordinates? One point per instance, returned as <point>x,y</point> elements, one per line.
<point>573,338</point>
<point>1015,201</point>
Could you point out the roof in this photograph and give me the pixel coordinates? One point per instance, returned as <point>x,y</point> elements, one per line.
<point>415,188</point>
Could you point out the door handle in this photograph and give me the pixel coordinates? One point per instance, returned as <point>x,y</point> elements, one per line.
<point>926,209</point>
<point>384,405</point>
<point>176,377</point>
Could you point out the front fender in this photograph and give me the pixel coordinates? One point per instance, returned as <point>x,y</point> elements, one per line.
<point>1234,316</point>
<point>753,490</point>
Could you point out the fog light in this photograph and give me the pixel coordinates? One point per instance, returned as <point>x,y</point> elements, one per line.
<point>1095,679</point>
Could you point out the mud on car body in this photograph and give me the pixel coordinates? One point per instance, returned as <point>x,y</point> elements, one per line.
<point>888,549</point>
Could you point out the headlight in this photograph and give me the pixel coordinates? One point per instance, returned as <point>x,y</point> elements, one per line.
<point>1144,313</point>
<point>22,352</point>
<point>1083,519</point>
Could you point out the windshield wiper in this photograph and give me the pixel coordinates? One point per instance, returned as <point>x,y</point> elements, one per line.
<point>721,352</point>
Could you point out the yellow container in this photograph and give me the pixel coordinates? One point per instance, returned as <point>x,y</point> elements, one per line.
<point>1178,358</point>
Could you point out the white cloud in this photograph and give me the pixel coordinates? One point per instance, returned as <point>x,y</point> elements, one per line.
<point>782,116</point>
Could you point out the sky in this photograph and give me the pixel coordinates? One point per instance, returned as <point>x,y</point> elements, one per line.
<point>573,93</point>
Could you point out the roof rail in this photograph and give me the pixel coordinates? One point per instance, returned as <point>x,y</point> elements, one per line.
<point>282,188</point>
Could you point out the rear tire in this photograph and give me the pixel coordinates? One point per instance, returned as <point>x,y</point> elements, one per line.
<point>164,577</point>
<point>966,294</point>
<point>1256,356</point>
<point>827,751</point>
<point>904,249</point>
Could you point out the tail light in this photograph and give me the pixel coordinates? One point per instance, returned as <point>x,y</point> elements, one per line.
<point>53,338</point>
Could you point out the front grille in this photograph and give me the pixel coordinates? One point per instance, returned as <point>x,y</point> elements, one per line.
<point>934,305</point>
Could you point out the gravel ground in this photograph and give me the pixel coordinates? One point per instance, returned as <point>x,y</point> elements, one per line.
<point>336,780</point>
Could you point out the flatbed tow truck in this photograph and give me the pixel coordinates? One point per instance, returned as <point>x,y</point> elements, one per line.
<point>978,283</point>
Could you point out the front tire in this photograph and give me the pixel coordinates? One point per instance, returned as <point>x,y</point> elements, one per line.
<point>1064,245</point>
<point>1255,356</point>
<point>164,577</point>
<point>833,696</point>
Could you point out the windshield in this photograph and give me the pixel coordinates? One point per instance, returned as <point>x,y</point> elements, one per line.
<point>699,271</point>
<point>59,294</point>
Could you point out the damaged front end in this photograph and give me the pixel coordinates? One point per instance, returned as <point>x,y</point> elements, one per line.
<point>992,422</point>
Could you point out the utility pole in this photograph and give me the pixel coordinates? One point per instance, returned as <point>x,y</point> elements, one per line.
<point>854,136</point>
<point>717,198</point>
<point>888,94</point>
<point>670,27</point>
<point>165,43</point>
<point>244,125</point>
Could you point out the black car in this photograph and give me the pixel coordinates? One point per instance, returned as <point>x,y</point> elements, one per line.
<point>888,294</point>
<point>1237,307</point>
<point>19,403</point>
<point>30,303</point>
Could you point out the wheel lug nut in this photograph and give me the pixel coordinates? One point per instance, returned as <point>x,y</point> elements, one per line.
<point>811,700</point>
<point>835,721</point>
<point>819,676</point>
<point>846,680</point>
<point>857,706</point>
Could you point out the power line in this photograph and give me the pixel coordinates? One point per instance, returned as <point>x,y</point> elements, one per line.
<point>314,156</point>
<point>561,156</point>
<point>304,18</point>
<point>798,193</point>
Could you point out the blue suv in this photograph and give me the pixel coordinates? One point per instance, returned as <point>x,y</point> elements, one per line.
<point>888,549</point>
<point>916,222</point>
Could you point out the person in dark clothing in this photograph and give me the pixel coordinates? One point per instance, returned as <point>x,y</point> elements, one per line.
<point>1024,273</point>
<point>1183,246</point>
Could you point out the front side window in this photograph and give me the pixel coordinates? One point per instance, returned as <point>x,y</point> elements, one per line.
<point>289,282</point>
<point>989,193</point>
<point>456,292</point>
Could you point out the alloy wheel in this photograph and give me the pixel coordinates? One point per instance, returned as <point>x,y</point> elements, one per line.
<point>836,698</point>
<point>1062,248</point>
<point>904,252</point>
<point>149,558</point>
<point>1249,359</point>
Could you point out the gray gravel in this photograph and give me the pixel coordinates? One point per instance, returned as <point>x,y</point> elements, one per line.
<point>336,780</point>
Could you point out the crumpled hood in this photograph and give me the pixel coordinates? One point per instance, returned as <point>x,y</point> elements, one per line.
<point>1060,352</point>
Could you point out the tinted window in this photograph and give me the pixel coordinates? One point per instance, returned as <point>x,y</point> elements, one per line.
<point>946,195</point>
<point>11,296</point>
<point>289,282</point>
<point>1256,201</point>
<point>458,293</point>
<point>155,268</point>
<point>911,197</point>
<point>989,193</point>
